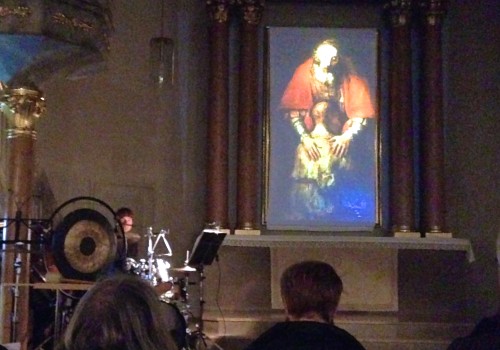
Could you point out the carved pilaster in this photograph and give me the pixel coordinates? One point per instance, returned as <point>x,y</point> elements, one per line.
<point>218,110</point>
<point>432,137</point>
<point>248,117</point>
<point>401,129</point>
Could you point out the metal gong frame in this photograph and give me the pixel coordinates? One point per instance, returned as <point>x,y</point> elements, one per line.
<point>84,243</point>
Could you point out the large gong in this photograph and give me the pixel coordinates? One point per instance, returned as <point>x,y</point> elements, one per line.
<point>84,244</point>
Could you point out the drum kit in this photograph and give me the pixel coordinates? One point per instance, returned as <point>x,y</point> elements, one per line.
<point>170,283</point>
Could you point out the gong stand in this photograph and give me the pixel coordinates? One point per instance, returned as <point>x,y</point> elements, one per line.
<point>84,244</point>
<point>19,248</point>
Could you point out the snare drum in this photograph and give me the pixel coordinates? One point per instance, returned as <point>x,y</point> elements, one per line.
<point>176,323</point>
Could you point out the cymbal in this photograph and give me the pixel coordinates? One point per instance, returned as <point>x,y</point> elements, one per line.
<point>185,269</point>
<point>132,237</point>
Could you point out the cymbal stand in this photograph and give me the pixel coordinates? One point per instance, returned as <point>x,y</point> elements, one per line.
<point>152,247</point>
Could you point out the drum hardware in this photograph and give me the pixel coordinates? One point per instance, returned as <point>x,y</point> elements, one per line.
<point>162,267</point>
<point>130,265</point>
<point>185,269</point>
<point>152,247</point>
<point>21,246</point>
<point>204,252</point>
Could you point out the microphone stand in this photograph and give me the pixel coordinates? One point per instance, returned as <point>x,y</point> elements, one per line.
<point>15,291</point>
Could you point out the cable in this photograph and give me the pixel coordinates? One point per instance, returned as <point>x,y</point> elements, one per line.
<point>218,293</point>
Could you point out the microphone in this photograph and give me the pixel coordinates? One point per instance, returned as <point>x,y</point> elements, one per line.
<point>18,262</point>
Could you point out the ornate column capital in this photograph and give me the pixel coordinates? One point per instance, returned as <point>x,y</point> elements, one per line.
<point>252,10</point>
<point>218,10</point>
<point>22,108</point>
<point>433,10</point>
<point>399,12</point>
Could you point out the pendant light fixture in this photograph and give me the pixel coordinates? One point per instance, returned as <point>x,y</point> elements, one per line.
<point>162,55</point>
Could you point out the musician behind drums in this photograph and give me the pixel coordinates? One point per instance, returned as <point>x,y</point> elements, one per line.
<point>131,265</point>
<point>126,218</point>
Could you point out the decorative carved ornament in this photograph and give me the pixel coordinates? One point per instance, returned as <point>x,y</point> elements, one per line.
<point>399,12</point>
<point>218,10</point>
<point>15,11</point>
<point>22,108</point>
<point>81,29</point>
<point>72,22</point>
<point>86,23</point>
<point>252,10</point>
<point>433,10</point>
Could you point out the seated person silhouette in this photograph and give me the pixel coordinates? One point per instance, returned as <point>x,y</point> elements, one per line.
<point>486,333</point>
<point>118,312</point>
<point>310,291</point>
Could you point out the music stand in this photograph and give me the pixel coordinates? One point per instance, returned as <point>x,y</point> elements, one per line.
<point>204,252</point>
<point>205,248</point>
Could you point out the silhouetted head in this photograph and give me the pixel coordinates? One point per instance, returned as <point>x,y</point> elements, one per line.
<point>310,289</point>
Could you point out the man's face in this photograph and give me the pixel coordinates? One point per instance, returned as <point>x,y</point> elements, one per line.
<point>326,56</point>
<point>127,223</point>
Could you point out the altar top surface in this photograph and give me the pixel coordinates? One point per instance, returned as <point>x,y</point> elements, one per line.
<point>361,242</point>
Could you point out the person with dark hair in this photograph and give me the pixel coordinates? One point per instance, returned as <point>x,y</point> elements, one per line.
<point>121,312</point>
<point>329,80</point>
<point>486,333</point>
<point>484,336</point>
<point>125,217</point>
<point>311,292</point>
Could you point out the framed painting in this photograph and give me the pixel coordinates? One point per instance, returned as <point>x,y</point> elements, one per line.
<point>321,142</point>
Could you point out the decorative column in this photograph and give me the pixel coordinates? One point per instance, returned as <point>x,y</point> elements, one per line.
<point>401,131</point>
<point>21,107</point>
<point>218,121</point>
<point>432,180</point>
<point>248,119</point>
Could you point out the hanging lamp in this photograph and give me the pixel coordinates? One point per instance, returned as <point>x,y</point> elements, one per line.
<point>162,55</point>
